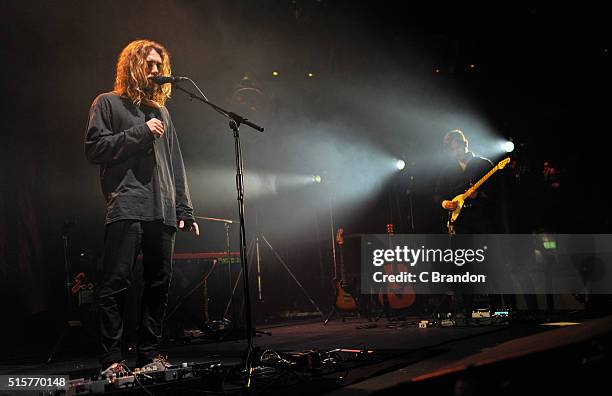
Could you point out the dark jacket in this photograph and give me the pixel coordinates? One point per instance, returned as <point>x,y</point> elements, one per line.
<point>142,177</point>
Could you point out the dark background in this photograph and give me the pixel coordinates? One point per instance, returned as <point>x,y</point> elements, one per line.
<point>389,80</point>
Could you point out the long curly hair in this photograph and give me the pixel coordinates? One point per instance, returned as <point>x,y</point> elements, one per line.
<point>131,79</point>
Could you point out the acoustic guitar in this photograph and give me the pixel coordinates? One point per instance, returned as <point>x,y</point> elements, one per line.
<point>395,296</point>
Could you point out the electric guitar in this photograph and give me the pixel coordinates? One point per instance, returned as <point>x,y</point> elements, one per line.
<point>460,199</point>
<point>344,300</point>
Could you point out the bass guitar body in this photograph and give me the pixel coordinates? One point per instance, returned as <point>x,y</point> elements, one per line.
<point>345,301</point>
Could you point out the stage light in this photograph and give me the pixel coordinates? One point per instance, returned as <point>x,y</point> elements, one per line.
<point>310,75</point>
<point>400,164</point>
<point>508,146</point>
<point>275,73</point>
<point>316,179</point>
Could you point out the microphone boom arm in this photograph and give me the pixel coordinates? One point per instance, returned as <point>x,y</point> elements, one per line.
<point>238,119</point>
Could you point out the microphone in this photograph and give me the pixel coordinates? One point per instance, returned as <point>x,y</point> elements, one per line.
<point>167,79</point>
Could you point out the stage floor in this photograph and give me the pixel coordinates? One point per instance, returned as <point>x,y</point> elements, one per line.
<point>402,350</point>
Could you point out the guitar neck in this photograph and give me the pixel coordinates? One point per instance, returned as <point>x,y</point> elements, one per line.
<point>342,272</point>
<point>482,180</point>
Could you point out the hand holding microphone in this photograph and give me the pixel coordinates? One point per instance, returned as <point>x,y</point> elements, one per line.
<point>155,125</point>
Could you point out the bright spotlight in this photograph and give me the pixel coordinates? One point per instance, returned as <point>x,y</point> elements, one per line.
<point>316,179</point>
<point>508,146</point>
<point>400,164</point>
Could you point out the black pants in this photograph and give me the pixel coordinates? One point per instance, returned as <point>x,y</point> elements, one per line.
<point>123,241</point>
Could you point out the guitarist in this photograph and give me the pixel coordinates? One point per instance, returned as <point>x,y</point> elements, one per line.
<point>478,215</point>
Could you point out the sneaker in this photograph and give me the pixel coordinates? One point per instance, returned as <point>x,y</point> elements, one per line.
<point>115,370</point>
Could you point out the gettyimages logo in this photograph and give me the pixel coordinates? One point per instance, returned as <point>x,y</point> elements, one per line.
<point>409,256</point>
<point>488,263</point>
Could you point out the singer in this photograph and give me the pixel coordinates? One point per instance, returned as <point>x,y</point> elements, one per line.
<point>131,137</point>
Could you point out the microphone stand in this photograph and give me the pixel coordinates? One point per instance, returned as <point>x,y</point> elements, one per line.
<point>235,121</point>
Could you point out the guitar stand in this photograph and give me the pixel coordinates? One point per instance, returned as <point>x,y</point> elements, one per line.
<point>387,314</point>
<point>366,306</point>
<point>334,311</point>
<point>454,306</point>
<point>387,311</point>
<point>70,324</point>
